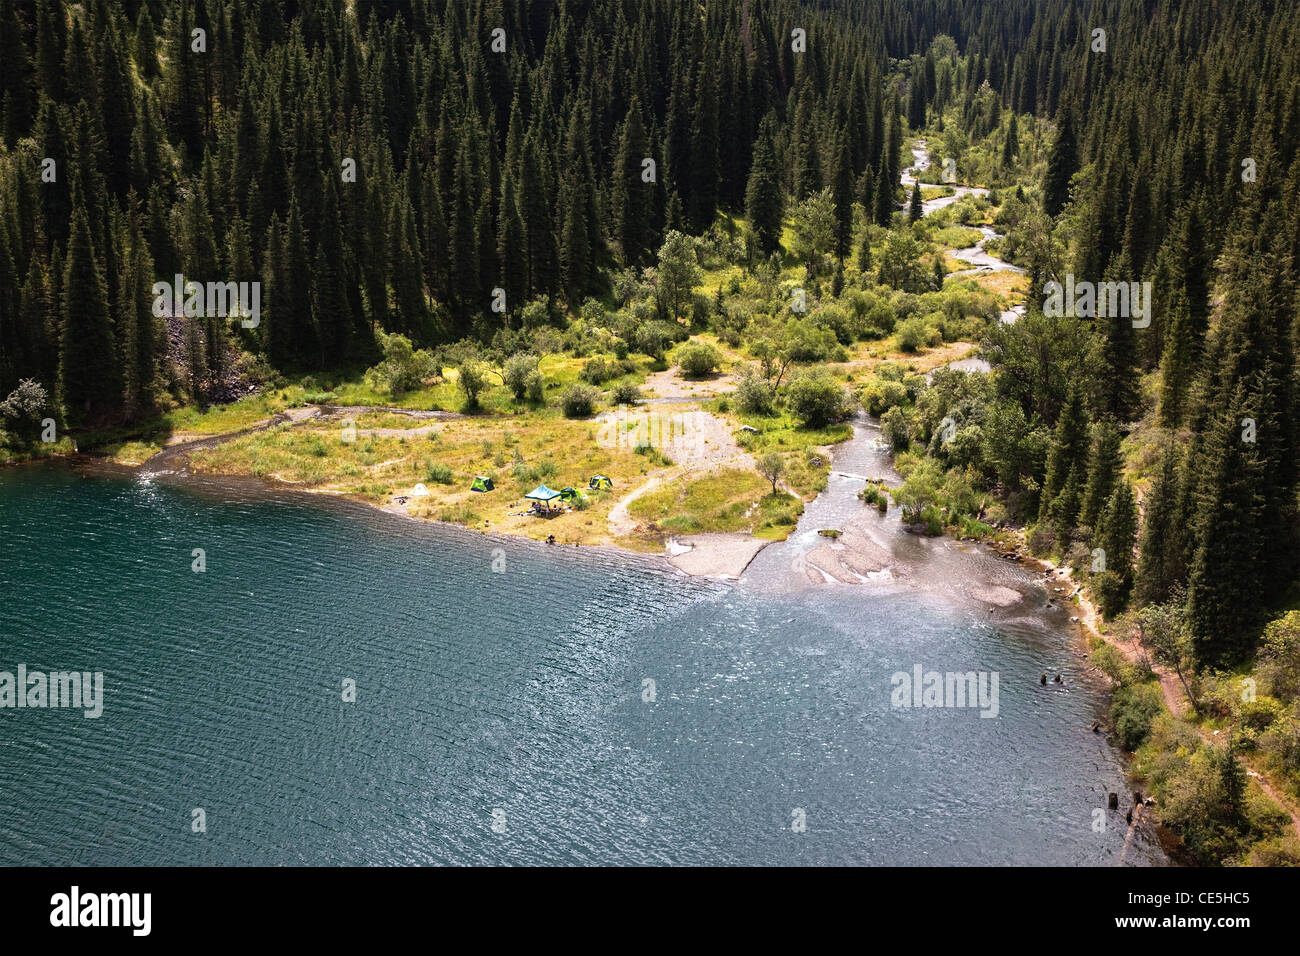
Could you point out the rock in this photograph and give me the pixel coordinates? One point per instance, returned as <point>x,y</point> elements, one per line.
<point>1096,726</point>
<point>1043,679</point>
<point>1074,620</point>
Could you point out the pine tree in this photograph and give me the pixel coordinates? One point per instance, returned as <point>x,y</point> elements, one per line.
<point>1178,363</point>
<point>575,248</point>
<point>89,379</point>
<point>56,196</point>
<point>914,211</point>
<point>117,107</point>
<point>884,190</point>
<point>704,152</point>
<point>1160,548</point>
<point>36,343</point>
<point>1228,542</point>
<point>1117,532</point>
<point>374,260</point>
<point>1011,144</point>
<point>865,190</point>
<point>807,160</point>
<point>539,224</point>
<point>405,267</point>
<point>15,79</point>
<point>1068,453</point>
<point>1062,164</point>
<point>1103,472</point>
<point>11,333</point>
<point>631,194</point>
<point>1064,508</point>
<point>276,318</point>
<point>764,201</point>
<point>185,105</point>
<point>296,296</point>
<point>916,103</point>
<point>330,299</point>
<point>864,253</point>
<point>578,213</point>
<point>511,249</point>
<point>141,329</point>
<point>146,53</point>
<point>1116,354</point>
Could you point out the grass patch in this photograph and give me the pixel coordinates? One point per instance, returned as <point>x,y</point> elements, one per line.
<point>732,500</point>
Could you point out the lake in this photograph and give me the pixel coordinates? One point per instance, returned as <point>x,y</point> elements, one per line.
<point>514,703</point>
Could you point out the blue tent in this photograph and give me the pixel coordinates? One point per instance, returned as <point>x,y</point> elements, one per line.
<point>542,493</point>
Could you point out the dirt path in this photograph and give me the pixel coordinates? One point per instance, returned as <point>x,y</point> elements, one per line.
<point>1175,697</point>
<point>670,386</point>
<point>698,444</point>
<point>175,455</point>
<point>621,523</point>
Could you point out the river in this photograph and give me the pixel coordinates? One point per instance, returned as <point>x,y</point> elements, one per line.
<point>981,261</point>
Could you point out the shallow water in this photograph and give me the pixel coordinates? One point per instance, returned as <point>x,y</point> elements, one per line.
<point>520,690</point>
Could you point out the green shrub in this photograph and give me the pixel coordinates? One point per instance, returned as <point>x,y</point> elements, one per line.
<point>698,359</point>
<point>896,428</point>
<point>597,371</point>
<point>1111,590</point>
<point>1276,851</point>
<point>437,473</point>
<point>818,399</point>
<point>931,521</point>
<point>579,401</point>
<point>755,395</point>
<point>875,495</point>
<point>625,394</point>
<point>915,334</point>
<point>879,395</point>
<point>519,369</point>
<point>535,386</point>
<point>1133,707</point>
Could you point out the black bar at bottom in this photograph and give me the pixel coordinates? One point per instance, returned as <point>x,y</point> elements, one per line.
<point>935,905</point>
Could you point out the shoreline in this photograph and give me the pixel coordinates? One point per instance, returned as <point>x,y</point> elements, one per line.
<point>722,557</point>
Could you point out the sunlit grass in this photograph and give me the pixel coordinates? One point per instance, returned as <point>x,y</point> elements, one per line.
<point>730,500</point>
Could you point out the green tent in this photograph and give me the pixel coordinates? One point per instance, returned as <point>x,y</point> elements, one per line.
<point>569,494</point>
<point>599,481</point>
<point>543,494</point>
<point>482,483</point>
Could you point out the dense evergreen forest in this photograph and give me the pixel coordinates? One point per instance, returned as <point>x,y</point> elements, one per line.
<point>465,173</point>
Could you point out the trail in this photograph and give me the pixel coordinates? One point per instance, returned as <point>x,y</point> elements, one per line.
<point>174,457</point>
<point>1176,699</point>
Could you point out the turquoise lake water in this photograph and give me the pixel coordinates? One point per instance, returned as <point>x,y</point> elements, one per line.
<point>500,715</point>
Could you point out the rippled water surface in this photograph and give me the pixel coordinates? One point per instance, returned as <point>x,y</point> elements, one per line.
<point>521,692</point>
